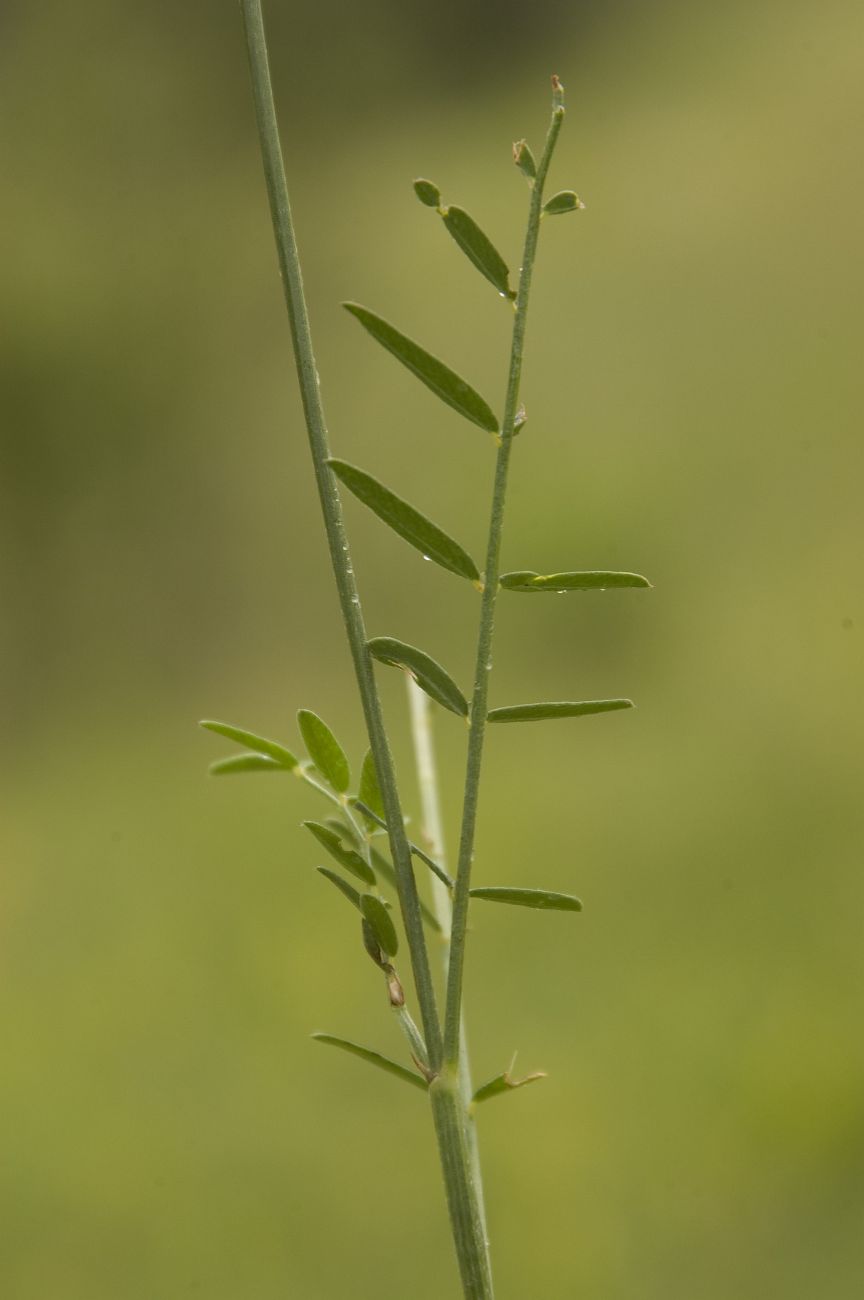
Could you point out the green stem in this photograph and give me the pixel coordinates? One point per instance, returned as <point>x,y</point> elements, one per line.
<point>349,600</point>
<point>487,610</point>
<point>465,1216</point>
<point>421,713</point>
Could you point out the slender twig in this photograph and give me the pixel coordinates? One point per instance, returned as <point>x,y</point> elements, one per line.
<point>331,507</point>
<point>483,664</point>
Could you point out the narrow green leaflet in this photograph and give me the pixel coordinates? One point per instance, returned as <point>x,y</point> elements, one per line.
<point>382,926</point>
<point>349,891</point>
<point>324,750</point>
<point>518,580</point>
<point>245,763</point>
<point>427,192</point>
<point>555,709</point>
<point>593,580</point>
<point>479,249</point>
<point>259,744</point>
<point>426,672</point>
<point>413,527</point>
<point>544,899</point>
<point>373,948</point>
<point>563,201</point>
<point>384,868</point>
<point>429,370</point>
<point>343,830</point>
<point>348,858</point>
<point>370,792</point>
<point>504,1083</point>
<point>374,1058</point>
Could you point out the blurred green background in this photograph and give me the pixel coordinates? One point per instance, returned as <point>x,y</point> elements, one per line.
<point>693,383</point>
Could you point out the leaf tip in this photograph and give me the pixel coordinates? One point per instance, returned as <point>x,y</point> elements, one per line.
<point>427,192</point>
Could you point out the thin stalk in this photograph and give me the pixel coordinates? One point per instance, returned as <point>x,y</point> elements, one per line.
<point>331,507</point>
<point>453,1013</point>
<point>465,1217</point>
<point>432,830</point>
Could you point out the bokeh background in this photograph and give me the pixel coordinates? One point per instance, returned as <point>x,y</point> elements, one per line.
<point>693,383</point>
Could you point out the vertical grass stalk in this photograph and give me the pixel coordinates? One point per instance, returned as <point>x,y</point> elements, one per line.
<point>331,507</point>
<point>483,664</point>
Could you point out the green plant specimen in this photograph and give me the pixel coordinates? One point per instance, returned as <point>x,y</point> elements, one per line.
<point>362,870</point>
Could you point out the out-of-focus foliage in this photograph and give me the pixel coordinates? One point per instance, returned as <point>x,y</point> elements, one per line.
<point>692,387</point>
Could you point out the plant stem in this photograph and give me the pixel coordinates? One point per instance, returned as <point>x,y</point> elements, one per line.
<point>331,507</point>
<point>465,1214</point>
<point>483,664</point>
<point>432,830</point>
